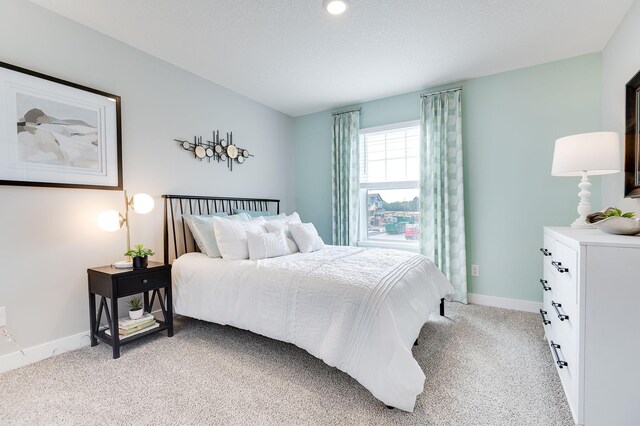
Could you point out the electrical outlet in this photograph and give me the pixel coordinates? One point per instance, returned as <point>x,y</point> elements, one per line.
<point>475,270</point>
<point>3,316</point>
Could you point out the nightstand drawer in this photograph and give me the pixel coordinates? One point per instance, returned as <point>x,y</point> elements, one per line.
<point>136,284</point>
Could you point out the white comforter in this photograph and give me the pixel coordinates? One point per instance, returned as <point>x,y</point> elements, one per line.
<point>359,310</point>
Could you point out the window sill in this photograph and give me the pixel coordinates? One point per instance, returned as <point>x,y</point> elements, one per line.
<point>389,245</point>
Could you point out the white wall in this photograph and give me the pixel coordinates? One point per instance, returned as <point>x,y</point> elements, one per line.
<point>49,236</point>
<point>620,62</point>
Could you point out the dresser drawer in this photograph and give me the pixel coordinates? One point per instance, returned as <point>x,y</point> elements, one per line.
<point>568,373</point>
<point>566,321</point>
<point>135,284</point>
<point>564,265</point>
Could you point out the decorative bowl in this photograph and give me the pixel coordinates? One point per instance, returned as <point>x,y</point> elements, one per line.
<point>619,225</point>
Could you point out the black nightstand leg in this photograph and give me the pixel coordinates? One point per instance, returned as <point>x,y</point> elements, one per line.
<point>145,297</point>
<point>115,332</point>
<point>169,317</point>
<point>92,319</point>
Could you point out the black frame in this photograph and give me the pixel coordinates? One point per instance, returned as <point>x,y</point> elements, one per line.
<point>117,98</point>
<point>631,144</point>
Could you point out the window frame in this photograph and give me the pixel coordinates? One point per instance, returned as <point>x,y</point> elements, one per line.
<point>364,187</point>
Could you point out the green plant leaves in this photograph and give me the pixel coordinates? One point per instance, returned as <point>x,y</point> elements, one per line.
<point>140,251</point>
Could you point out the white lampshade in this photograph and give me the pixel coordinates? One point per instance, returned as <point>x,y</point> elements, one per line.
<point>142,203</point>
<point>110,221</point>
<point>335,7</point>
<point>594,153</point>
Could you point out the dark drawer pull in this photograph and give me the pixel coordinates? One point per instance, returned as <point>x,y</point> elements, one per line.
<point>545,252</point>
<point>144,281</point>
<point>561,317</point>
<point>544,320</point>
<point>559,267</point>
<point>554,348</point>
<point>544,283</point>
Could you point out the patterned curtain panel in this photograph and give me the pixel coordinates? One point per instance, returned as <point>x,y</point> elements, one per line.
<point>345,178</point>
<point>442,236</point>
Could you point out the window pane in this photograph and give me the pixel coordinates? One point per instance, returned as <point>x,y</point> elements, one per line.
<point>376,171</point>
<point>413,168</point>
<point>396,170</point>
<point>375,149</point>
<point>393,215</point>
<point>389,156</point>
<point>395,147</point>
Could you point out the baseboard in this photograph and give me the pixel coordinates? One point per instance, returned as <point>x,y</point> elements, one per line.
<point>38,353</point>
<point>503,302</point>
<point>46,350</point>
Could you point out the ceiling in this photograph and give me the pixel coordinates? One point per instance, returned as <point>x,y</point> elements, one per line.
<point>294,57</point>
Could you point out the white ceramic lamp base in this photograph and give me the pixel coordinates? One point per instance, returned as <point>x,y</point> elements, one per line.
<point>584,207</point>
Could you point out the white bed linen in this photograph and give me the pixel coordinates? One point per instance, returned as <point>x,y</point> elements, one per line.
<point>359,310</point>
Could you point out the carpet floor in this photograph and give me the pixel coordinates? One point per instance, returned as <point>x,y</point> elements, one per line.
<point>484,366</point>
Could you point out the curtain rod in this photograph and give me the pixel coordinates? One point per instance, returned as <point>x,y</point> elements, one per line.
<point>344,112</point>
<point>455,89</point>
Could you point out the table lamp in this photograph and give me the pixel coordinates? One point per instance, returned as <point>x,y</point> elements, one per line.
<point>585,155</point>
<point>111,220</point>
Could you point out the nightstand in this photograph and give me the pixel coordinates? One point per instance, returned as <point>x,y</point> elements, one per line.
<point>112,283</point>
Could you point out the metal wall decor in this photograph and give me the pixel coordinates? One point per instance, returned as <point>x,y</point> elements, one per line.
<point>216,150</point>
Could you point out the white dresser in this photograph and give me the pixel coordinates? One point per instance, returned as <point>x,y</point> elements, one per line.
<point>591,317</point>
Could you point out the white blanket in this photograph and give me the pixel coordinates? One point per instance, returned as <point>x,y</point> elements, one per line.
<point>359,310</point>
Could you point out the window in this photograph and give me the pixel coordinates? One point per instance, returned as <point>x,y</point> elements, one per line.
<point>389,173</point>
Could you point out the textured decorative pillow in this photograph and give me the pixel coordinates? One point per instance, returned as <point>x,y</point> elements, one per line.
<point>282,224</point>
<point>201,228</point>
<point>267,244</point>
<point>231,236</point>
<point>306,237</point>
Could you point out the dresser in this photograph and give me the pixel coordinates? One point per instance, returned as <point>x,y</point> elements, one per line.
<point>591,317</point>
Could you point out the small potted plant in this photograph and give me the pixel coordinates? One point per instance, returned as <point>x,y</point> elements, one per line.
<point>140,256</point>
<point>135,308</point>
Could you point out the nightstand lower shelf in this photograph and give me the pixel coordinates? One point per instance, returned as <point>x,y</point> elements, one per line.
<point>102,334</point>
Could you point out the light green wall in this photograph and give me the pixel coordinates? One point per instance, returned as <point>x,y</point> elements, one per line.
<point>510,123</point>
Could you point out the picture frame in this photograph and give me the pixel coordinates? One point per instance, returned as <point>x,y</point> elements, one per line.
<point>632,139</point>
<point>54,133</point>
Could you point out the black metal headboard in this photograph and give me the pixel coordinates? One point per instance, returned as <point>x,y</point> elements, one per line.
<point>175,229</point>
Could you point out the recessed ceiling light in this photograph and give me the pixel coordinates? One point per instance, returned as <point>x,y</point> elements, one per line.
<point>335,7</point>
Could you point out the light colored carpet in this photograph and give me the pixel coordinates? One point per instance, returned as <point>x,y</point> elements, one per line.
<point>484,366</point>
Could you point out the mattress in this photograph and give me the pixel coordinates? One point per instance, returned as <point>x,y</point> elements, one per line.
<point>359,310</point>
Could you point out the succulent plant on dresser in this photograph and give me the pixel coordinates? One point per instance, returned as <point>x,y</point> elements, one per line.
<point>591,290</point>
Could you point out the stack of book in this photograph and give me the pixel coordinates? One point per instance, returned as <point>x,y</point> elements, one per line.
<point>130,327</point>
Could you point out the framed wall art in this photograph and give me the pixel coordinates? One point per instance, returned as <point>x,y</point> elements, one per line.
<point>57,133</point>
<point>632,139</point>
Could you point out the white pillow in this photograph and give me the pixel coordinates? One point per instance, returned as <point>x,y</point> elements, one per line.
<point>266,245</point>
<point>201,228</point>
<point>306,237</point>
<point>282,224</point>
<point>231,236</point>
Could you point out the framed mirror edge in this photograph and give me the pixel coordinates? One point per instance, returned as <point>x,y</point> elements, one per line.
<point>631,141</point>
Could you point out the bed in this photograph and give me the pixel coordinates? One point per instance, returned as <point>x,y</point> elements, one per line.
<point>359,310</point>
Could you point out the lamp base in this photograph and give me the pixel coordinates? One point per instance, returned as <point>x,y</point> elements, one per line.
<point>122,264</point>
<point>584,207</point>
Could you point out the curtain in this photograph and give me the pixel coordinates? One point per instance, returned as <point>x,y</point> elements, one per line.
<point>345,177</point>
<point>442,236</point>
